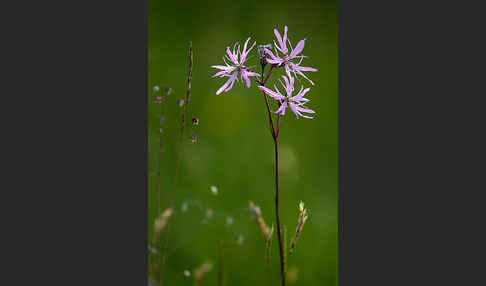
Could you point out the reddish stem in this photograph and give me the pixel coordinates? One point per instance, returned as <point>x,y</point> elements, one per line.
<point>275,142</point>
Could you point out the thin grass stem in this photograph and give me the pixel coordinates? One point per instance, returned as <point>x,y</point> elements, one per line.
<point>181,138</point>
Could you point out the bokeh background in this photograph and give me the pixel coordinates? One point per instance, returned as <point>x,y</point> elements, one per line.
<point>234,149</point>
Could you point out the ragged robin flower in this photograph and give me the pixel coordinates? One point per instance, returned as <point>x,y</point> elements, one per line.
<point>235,67</point>
<point>286,60</point>
<point>296,103</point>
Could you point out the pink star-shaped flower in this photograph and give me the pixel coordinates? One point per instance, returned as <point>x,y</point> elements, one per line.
<point>296,103</point>
<point>236,66</point>
<point>286,58</point>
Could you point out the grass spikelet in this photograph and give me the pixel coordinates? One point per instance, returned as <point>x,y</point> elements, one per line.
<point>161,220</point>
<point>201,271</point>
<point>300,224</point>
<point>268,252</point>
<point>257,215</point>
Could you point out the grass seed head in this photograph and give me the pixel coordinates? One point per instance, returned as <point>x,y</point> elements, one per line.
<point>161,221</point>
<point>300,224</point>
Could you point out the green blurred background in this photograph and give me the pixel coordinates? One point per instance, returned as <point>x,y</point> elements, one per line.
<point>234,149</point>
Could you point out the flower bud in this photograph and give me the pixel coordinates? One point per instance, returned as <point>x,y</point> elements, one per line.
<point>261,53</point>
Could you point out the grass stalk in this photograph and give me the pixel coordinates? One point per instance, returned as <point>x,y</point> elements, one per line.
<point>181,138</point>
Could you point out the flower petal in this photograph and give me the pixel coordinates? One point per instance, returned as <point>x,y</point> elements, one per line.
<point>225,85</point>
<point>277,35</point>
<point>288,69</point>
<point>222,67</point>
<point>277,46</point>
<point>305,110</point>
<point>272,93</point>
<point>301,94</point>
<point>232,78</point>
<point>284,41</point>
<point>244,53</point>
<point>281,109</point>
<point>244,74</point>
<point>252,74</point>
<point>268,52</point>
<point>231,56</point>
<point>220,73</point>
<point>289,86</point>
<point>304,76</point>
<point>274,62</point>
<point>306,69</point>
<point>293,107</point>
<point>298,49</point>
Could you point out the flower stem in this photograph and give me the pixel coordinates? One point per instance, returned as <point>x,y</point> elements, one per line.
<point>272,128</point>
<point>277,211</point>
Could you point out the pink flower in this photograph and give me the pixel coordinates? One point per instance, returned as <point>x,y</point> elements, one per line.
<point>296,103</point>
<point>236,66</point>
<point>286,58</point>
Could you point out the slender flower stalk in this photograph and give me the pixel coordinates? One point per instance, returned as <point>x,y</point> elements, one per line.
<point>181,138</point>
<point>277,210</point>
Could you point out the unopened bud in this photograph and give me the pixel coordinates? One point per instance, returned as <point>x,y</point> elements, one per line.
<point>193,138</point>
<point>168,90</point>
<point>160,131</point>
<point>156,88</point>
<point>180,102</point>
<point>261,53</point>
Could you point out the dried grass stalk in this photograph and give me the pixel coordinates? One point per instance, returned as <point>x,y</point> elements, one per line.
<point>161,220</point>
<point>300,224</point>
<point>201,271</point>
<point>257,215</point>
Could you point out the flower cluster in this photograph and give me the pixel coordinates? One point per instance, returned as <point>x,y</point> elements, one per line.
<point>289,59</point>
